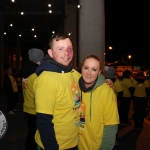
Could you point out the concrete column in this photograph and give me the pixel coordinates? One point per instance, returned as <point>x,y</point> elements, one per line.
<point>91,30</point>
<point>70,25</point>
<point>1,49</point>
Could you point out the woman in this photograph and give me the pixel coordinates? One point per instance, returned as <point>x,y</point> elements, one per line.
<point>99,115</point>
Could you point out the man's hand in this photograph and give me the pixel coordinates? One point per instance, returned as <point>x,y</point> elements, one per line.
<point>110,83</point>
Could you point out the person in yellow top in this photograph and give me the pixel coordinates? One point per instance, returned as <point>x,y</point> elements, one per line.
<point>11,88</point>
<point>110,73</point>
<point>57,97</point>
<point>127,96</point>
<point>148,78</point>
<point>28,78</point>
<point>99,117</point>
<point>140,99</point>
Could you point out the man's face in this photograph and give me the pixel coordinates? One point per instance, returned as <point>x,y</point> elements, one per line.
<point>62,51</point>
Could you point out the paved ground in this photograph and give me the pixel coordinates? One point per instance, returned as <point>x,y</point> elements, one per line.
<point>14,139</point>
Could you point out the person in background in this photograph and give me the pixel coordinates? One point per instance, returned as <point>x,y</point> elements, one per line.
<point>57,97</point>
<point>99,117</point>
<point>148,78</point>
<point>110,73</point>
<point>28,78</point>
<point>140,99</point>
<point>11,89</point>
<point>127,96</point>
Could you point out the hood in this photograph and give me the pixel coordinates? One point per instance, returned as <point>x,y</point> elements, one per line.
<point>28,69</point>
<point>48,64</point>
<point>99,81</point>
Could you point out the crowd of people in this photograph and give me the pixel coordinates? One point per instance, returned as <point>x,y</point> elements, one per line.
<point>68,109</point>
<point>135,87</point>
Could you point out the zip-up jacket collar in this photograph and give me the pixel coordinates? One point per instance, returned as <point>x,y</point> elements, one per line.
<point>48,64</point>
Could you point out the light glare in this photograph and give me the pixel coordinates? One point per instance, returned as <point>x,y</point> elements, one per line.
<point>78,6</point>
<point>49,5</point>
<point>110,47</point>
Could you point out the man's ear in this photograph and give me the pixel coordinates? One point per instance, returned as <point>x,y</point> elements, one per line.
<point>50,52</point>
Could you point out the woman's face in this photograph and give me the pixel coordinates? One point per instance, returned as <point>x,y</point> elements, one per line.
<point>90,71</point>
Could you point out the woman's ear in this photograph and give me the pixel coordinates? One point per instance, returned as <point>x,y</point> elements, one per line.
<point>99,72</point>
<point>50,52</point>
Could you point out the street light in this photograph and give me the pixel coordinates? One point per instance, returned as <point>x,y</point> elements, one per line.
<point>129,56</point>
<point>110,47</point>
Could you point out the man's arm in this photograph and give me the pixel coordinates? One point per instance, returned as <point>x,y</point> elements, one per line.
<point>47,133</point>
<point>110,83</point>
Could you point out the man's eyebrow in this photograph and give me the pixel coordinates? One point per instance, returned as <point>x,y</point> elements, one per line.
<point>59,46</point>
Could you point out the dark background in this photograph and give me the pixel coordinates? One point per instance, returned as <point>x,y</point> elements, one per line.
<point>127,29</point>
<point>127,26</point>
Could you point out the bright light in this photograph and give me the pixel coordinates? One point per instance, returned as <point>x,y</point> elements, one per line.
<point>53,32</point>
<point>11,25</point>
<point>50,11</point>
<point>32,29</point>
<point>49,5</point>
<point>78,6</point>
<point>20,35</point>
<point>13,0</point>
<point>22,13</point>
<point>35,36</point>
<point>4,33</point>
<point>110,47</point>
<point>129,56</point>
<point>69,34</point>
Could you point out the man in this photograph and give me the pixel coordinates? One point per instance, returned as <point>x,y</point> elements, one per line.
<point>11,88</point>
<point>28,78</point>
<point>57,97</point>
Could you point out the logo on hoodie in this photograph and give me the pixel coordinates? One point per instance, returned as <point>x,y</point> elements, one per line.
<point>82,115</point>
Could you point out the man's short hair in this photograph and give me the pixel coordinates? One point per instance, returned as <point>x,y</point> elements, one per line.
<point>57,37</point>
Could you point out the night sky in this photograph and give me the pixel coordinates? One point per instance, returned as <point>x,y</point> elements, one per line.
<point>127,30</point>
<point>127,27</point>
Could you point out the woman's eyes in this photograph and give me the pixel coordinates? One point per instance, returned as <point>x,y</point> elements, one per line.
<point>94,69</point>
<point>86,68</point>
